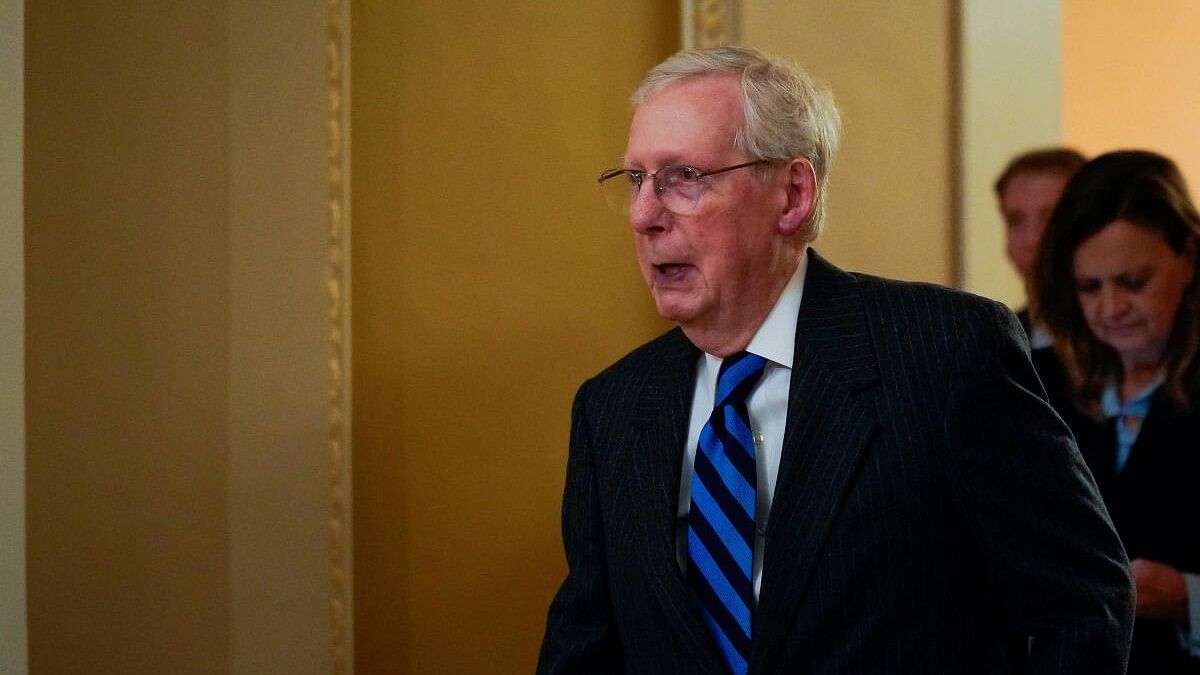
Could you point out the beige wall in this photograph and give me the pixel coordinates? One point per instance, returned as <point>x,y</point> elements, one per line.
<point>1011,91</point>
<point>13,628</point>
<point>890,65</point>
<point>489,281</point>
<point>177,472</point>
<point>1132,78</point>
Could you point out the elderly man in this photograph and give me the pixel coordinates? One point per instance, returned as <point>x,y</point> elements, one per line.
<point>816,471</point>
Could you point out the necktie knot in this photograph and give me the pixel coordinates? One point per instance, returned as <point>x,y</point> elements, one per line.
<point>738,375</point>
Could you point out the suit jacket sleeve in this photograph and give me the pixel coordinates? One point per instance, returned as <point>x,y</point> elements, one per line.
<point>1031,505</point>
<point>581,635</point>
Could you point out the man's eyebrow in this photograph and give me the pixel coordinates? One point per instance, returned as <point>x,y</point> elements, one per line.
<point>673,160</point>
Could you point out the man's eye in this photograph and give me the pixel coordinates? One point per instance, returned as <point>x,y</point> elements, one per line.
<point>690,173</point>
<point>636,177</point>
<point>1086,286</point>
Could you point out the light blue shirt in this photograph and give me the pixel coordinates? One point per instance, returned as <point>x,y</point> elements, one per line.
<point>1134,410</point>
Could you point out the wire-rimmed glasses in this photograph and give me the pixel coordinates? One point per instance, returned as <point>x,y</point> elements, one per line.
<point>678,187</point>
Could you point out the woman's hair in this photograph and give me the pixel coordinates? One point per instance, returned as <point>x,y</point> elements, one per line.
<point>1147,190</point>
<point>787,115</point>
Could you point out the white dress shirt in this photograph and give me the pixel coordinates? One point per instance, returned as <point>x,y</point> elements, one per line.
<point>775,341</point>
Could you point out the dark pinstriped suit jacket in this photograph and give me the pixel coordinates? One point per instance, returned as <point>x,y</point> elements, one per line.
<point>931,510</point>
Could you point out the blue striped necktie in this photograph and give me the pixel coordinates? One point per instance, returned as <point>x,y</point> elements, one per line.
<point>721,520</point>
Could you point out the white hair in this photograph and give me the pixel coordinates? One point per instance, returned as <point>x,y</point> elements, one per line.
<point>787,114</point>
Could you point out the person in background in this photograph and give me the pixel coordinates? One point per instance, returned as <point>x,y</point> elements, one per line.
<point>815,471</point>
<point>1027,191</point>
<point>1115,282</point>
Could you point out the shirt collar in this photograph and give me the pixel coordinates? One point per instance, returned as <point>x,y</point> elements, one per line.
<point>1040,337</point>
<point>776,337</point>
<point>1138,406</point>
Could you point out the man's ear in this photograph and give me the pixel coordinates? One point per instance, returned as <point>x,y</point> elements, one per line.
<point>801,190</point>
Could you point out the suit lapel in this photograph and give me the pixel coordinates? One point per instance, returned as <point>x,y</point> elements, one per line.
<point>827,430</point>
<point>660,426</point>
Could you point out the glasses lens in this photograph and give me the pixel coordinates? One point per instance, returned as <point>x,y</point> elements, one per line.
<point>678,188</point>
<point>618,188</point>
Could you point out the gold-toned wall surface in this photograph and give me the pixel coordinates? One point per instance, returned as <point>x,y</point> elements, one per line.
<point>127,317</point>
<point>1131,76</point>
<point>175,247</point>
<point>279,502</point>
<point>891,67</point>
<point>488,282</point>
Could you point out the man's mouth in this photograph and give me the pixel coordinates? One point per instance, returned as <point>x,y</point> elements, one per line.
<point>670,269</point>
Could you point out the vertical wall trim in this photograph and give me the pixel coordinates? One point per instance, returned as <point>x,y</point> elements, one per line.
<point>340,539</point>
<point>708,23</point>
<point>14,632</point>
<point>954,181</point>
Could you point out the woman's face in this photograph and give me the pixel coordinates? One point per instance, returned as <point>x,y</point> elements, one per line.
<point>1129,284</point>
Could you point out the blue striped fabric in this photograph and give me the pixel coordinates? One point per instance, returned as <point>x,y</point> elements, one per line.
<point>721,520</point>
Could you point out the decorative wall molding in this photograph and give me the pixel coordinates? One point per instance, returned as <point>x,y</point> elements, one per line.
<point>709,23</point>
<point>341,592</point>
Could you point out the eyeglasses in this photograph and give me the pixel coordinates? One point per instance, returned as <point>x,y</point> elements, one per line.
<point>678,187</point>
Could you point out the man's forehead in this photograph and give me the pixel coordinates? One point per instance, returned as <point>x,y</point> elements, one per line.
<point>700,114</point>
<point>707,91</point>
<point>1035,184</point>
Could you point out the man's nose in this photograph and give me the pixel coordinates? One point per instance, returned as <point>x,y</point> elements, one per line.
<point>645,210</point>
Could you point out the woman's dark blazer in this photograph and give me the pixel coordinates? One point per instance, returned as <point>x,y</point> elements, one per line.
<point>1154,501</point>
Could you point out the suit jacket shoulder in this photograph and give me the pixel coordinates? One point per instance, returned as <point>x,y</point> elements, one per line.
<point>637,387</point>
<point>939,330</point>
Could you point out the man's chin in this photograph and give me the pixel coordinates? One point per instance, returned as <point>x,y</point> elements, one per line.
<point>674,309</point>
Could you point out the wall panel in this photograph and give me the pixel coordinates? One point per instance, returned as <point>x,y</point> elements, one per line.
<point>126,247</point>
<point>488,282</point>
<point>175,248</point>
